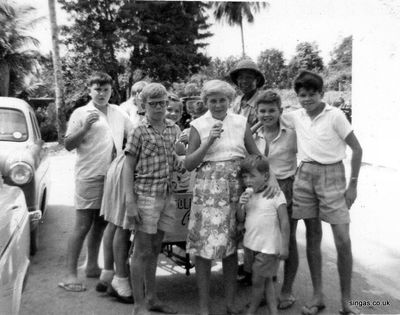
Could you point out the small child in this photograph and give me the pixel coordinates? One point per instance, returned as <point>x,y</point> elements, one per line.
<point>267,230</point>
<point>174,108</point>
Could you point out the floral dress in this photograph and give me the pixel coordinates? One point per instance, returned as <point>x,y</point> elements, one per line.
<point>212,223</point>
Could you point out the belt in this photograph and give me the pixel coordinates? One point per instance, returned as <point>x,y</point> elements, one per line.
<point>317,163</point>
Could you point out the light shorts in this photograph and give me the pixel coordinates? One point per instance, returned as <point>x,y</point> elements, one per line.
<point>89,193</point>
<point>318,192</point>
<point>265,265</point>
<point>157,213</point>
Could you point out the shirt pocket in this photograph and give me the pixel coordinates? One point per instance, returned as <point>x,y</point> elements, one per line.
<point>149,148</point>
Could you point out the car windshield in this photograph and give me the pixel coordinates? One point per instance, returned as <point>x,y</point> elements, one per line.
<point>12,125</point>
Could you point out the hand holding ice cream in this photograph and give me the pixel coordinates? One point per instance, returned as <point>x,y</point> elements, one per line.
<point>246,195</point>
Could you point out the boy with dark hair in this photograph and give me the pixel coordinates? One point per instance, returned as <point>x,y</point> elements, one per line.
<point>319,191</point>
<point>96,131</point>
<point>266,230</point>
<point>149,165</point>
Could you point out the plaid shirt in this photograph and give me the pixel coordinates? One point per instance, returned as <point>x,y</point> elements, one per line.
<point>155,156</point>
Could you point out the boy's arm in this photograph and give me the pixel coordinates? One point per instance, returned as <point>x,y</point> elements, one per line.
<point>351,191</point>
<point>74,139</point>
<point>128,179</point>
<point>249,143</point>
<point>285,231</point>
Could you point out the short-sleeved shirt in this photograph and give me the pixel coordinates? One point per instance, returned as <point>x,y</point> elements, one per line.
<point>248,110</point>
<point>282,151</point>
<point>94,153</point>
<point>262,223</point>
<point>130,108</point>
<point>321,139</point>
<point>230,145</point>
<point>155,156</point>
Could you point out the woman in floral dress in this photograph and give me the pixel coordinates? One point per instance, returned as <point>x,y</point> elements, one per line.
<point>218,141</point>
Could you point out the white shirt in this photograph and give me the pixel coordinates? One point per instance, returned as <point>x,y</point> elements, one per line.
<point>231,143</point>
<point>321,139</point>
<point>263,232</point>
<point>94,152</point>
<point>131,110</point>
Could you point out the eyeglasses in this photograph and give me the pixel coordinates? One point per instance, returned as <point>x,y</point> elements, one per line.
<point>155,104</point>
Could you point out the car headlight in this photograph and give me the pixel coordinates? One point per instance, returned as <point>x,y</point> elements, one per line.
<point>20,173</point>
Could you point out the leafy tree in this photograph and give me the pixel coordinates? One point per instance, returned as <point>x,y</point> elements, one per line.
<point>235,12</point>
<point>219,69</point>
<point>166,45</point>
<point>272,65</point>
<point>339,73</point>
<point>16,60</point>
<point>307,58</point>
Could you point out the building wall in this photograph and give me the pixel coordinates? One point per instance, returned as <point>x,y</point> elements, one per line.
<point>376,82</point>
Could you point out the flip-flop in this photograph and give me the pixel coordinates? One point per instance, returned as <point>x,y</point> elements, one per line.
<point>162,308</point>
<point>72,287</point>
<point>350,312</point>
<point>286,303</point>
<point>312,309</point>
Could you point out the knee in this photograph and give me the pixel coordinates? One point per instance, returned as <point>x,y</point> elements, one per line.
<point>343,243</point>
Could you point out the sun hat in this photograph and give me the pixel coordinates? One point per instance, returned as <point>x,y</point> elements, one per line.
<point>247,64</point>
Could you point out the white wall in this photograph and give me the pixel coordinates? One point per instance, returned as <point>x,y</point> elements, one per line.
<point>376,81</point>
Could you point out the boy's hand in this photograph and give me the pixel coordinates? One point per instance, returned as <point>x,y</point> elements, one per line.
<point>133,215</point>
<point>257,126</point>
<point>284,253</point>
<point>350,195</point>
<point>272,189</point>
<point>91,119</point>
<point>244,198</point>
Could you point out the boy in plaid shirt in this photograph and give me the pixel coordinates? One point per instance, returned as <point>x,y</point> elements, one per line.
<point>149,165</point>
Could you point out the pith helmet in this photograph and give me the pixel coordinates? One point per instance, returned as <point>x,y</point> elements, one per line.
<point>247,64</point>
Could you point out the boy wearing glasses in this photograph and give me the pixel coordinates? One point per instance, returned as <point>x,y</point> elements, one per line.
<point>150,162</point>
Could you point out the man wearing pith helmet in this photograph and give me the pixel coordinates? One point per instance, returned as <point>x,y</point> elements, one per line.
<point>249,79</point>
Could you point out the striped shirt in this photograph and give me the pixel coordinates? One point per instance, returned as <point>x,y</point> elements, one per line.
<point>155,156</point>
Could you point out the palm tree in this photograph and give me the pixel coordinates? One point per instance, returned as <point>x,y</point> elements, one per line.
<point>16,60</point>
<point>235,12</point>
<point>58,78</point>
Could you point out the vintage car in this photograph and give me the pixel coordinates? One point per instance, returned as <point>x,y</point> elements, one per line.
<point>23,157</point>
<point>15,225</point>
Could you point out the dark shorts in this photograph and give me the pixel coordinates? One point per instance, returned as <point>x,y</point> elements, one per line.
<point>318,192</point>
<point>286,186</point>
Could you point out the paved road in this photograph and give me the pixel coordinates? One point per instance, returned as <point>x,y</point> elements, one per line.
<point>376,276</point>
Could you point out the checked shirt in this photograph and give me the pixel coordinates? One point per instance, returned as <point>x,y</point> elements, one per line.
<point>155,156</point>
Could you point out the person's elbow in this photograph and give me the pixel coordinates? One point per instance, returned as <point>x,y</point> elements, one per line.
<point>188,164</point>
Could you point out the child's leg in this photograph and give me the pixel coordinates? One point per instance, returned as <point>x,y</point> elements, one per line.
<point>156,241</point>
<point>257,292</point>
<point>345,261</point>
<point>270,296</point>
<point>93,244</point>
<point>230,266</point>
<point>108,238</point>
<point>83,222</point>
<point>203,272</point>
<point>314,258</point>
<point>290,268</point>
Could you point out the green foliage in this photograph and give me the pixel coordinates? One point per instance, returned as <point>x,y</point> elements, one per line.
<point>17,59</point>
<point>272,65</point>
<point>307,58</point>
<point>170,36</point>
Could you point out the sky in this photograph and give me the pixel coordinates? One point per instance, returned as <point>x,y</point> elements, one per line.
<point>283,25</point>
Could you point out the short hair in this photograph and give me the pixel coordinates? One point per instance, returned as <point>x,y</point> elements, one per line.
<point>153,90</point>
<point>269,97</point>
<point>174,99</point>
<point>217,86</point>
<point>100,78</point>
<point>138,87</point>
<point>308,80</point>
<point>252,162</point>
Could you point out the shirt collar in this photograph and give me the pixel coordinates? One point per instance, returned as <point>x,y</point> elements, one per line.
<point>167,122</point>
<point>326,109</point>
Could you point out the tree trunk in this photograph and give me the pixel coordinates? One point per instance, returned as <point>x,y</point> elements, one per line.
<point>58,79</point>
<point>241,32</point>
<point>4,79</point>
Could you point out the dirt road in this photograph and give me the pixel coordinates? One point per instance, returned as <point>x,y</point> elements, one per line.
<point>42,296</point>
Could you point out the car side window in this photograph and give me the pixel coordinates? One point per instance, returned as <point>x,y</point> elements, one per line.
<point>36,130</point>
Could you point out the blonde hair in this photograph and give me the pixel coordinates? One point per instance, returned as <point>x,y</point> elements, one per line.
<point>217,86</point>
<point>153,90</point>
